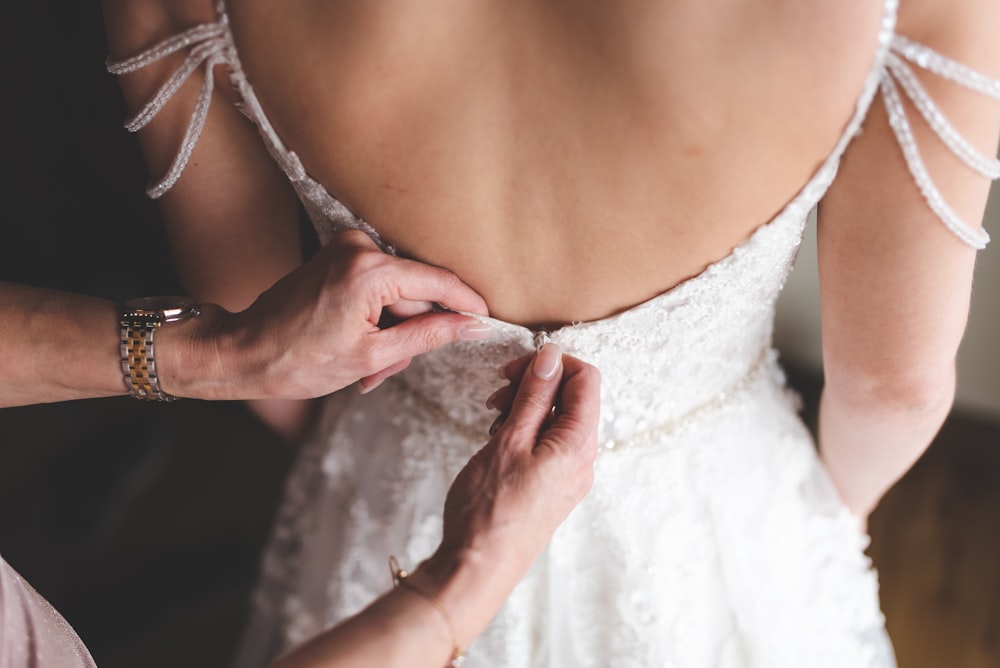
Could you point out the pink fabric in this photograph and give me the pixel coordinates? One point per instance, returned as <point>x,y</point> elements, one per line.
<point>32,633</point>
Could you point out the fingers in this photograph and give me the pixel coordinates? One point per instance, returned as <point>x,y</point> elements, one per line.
<point>405,309</point>
<point>580,398</point>
<point>569,441</point>
<point>513,371</point>
<point>369,383</point>
<point>406,280</point>
<point>503,398</point>
<point>422,334</point>
<point>413,281</point>
<point>536,394</point>
<point>350,238</point>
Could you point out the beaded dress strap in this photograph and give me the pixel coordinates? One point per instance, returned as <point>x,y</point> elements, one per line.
<point>211,44</point>
<point>898,77</point>
<point>208,47</point>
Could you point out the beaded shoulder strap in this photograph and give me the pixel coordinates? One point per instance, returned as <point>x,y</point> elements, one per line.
<point>898,79</point>
<point>208,43</point>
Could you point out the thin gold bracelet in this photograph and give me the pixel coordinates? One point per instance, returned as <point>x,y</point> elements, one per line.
<point>399,579</point>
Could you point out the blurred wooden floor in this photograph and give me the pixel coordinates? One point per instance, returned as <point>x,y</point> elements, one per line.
<point>936,542</point>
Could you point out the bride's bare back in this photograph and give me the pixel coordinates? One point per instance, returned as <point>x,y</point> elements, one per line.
<point>565,161</point>
<point>570,159</point>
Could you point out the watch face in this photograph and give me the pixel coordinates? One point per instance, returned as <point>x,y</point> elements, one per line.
<point>172,308</point>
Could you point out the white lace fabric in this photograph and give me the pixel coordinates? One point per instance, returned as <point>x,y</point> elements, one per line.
<point>712,536</point>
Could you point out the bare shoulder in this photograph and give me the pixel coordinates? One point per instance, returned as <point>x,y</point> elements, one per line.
<point>963,29</point>
<point>895,279</point>
<point>132,25</point>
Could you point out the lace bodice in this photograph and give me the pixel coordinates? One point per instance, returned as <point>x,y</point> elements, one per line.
<point>661,361</point>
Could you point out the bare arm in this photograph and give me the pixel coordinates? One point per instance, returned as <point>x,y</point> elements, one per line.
<point>231,218</point>
<point>895,283</point>
<point>56,346</point>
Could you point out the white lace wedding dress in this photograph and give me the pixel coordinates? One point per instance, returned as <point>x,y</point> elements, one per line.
<point>712,535</point>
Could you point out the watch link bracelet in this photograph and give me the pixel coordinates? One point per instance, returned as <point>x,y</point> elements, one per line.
<point>140,318</point>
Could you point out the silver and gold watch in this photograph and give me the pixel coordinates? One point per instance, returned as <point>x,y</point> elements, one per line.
<point>140,318</point>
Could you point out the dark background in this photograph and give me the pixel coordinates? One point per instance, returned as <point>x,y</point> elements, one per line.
<point>143,523</point>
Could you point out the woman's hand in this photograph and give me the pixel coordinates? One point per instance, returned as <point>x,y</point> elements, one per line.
<point>500,512</point>
<point>508,500</point>
<point>317,330</point>
<point>539,461</point>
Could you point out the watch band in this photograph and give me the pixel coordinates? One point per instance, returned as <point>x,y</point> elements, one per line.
<point>139,321</point>
<point>139,362</point>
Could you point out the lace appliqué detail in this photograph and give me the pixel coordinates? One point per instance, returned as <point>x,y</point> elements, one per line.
<point>651,437</point>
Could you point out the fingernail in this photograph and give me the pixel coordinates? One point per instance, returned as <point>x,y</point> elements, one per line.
<point>495,427</point>
<point>476,331</point>
<point>502,372</point>
<point>491,401</point>
<point>547,362</point>
<point>365,389</point>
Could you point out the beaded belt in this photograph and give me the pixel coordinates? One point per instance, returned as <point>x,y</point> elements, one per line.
<point>643,438</point>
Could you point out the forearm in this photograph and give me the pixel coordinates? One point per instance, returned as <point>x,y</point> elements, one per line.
<point>401,628</point>
<point>868,442</point>
<point>56,346</point>
<point>398,629</point>
<point>61,346</point>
